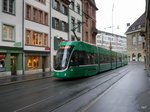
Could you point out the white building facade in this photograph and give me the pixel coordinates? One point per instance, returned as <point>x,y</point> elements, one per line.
<point>115,42</point>
<point>10,37</point>
<point>36,36</point>
<point>75,20</point>
<point>59,26</point>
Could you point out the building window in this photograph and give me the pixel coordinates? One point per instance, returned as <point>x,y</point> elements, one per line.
<point>33,62</point>
<point>42,1</point>
<point>86,38</point>
<point>134,40</point>
<point>8,32</point>
<point>46,18</point>
<point>72,4</point>
<point>86,19</point>
<point>28,37</point>
<point>36,38</point>
<point>35,14</point>
<point>79,27</point>
<point>78,9</point>
<point>45,43</point>
<point>63,9</point>
<point>86,8</point>
<point>72,22</point>
<point>9,6</point>
<point>56,23</point>
<point>56,5</point>
<point>40,16</point>
<point>28,11</point>
<point>63,26</point>
<point>40,36</point>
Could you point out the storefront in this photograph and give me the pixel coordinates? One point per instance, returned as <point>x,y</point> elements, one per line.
<point>2,62</point>
<point>37,62</point>
<point>10,61</point>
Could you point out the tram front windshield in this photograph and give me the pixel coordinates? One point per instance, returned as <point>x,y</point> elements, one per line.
<point>62,57</point>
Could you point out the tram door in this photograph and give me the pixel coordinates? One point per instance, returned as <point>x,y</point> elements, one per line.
<point>13,65</point>
<point>43,63</point>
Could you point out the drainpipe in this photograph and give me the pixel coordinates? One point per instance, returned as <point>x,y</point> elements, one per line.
<point>23,39</point>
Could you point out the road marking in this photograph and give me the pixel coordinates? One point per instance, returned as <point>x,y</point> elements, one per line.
<point>86,107</point>
<point>32,104</point>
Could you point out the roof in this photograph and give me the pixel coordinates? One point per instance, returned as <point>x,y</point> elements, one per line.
<point>137,25</point>
<point>92,2</point>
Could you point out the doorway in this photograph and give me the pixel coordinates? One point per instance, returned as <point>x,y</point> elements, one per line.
<point>43,63</point>
<point>13,65</point>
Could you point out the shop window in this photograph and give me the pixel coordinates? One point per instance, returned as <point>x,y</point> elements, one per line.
<point>2,62</point>
<point>33,62</point>
<point>8,32</point>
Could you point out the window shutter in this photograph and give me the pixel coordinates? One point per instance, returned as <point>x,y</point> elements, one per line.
<point>67,27</point>
<point>60,25</point>
<point>67,11</point>
<point>53,22</point>
<point>55,43</point>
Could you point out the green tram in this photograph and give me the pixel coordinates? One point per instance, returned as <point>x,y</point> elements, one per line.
<point>79,59</point>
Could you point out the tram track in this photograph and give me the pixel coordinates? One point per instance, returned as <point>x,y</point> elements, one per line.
<point>84,86</point>
<point>121,74</point>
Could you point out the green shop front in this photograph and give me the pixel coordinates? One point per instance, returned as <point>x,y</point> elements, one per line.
<point>10,61</point>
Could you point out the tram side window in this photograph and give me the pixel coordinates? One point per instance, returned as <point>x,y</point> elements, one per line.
<point>81,58</point>
<point>87,58</point>
<point>108,58</point>
<point>74,59</point>
<point>95,58</point>
<point>113,58</point>
<point>102,59</point>
<point>120,59</point>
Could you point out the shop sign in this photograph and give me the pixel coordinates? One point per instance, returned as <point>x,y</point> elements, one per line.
<point>47,48</point>
<point>2,56</point>
<point>17,44</point>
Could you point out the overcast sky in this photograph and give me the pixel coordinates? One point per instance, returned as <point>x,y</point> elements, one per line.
<point>124,11</point>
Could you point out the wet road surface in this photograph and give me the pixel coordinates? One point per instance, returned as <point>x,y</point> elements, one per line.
<point>124,95</point>
<point>77,95</point>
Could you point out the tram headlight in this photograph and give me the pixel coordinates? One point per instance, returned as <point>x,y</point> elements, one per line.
<point>65,74</point>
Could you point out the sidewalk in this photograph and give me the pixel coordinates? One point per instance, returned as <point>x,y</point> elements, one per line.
<point>22,78</point>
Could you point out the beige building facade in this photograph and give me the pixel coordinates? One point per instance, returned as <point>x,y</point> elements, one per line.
<point>136,40</point>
